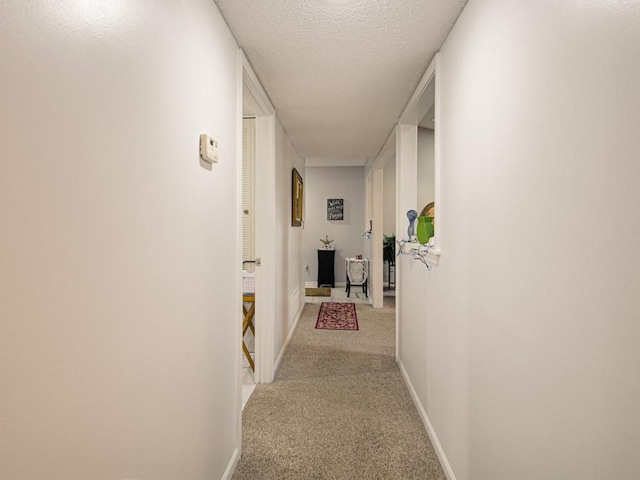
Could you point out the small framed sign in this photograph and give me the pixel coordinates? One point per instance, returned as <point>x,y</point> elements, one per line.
<point>335,209</point>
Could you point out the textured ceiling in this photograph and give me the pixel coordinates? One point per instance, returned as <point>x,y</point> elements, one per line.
<point>339,72</point>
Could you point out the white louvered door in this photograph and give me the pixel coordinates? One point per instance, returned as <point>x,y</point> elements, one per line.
<point>248,191</point>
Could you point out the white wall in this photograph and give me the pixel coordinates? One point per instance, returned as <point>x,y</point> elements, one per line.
<point>389,207</point>
<point>119,252</point>
<point>368,214</point>
<point>523,343</point>
<point>322,183</point>
<point>289,251</point>
<point>389,198</point>
<point>426,169</point>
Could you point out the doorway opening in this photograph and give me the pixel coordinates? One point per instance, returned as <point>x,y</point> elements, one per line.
<point>389,234</point>
<point>256,138</point>
<point>248,255</point>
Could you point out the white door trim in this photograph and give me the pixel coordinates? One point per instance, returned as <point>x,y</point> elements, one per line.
<point>375,201</point>
<point>237,291</point>
<point>421,101</point>
<point>402,143</point>
<point>255,96</point>
<point>265,247</point>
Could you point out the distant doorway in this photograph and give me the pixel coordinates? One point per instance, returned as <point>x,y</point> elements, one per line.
<point>248,256</point>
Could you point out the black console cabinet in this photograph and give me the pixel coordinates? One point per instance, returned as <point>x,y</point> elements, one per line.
<point>326,260</point>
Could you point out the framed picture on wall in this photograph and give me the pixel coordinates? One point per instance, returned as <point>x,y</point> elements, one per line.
<point>335,209</point>
<point>297,199</point>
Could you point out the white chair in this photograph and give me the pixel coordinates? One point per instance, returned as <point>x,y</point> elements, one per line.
<point>357,274</point>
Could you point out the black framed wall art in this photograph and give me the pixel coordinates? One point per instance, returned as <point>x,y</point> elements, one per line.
<point>335,209</point>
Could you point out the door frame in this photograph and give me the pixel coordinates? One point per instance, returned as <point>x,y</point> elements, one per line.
<point>255,96</point>
<point>250,90</point>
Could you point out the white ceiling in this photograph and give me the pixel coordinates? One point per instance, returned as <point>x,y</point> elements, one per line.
<point>339,72</point>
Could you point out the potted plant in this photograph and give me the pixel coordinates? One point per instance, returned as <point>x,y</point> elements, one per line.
<point>389,249</point>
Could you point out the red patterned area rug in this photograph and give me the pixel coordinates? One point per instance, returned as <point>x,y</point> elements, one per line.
<point>337,316</point>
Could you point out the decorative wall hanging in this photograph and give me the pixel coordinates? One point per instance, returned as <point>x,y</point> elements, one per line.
<point>369,233</point>
<point>335,209</point>
<point>429,210</point>
<point>326,243</point>
<point>411,231</point>
<point>297,199</point>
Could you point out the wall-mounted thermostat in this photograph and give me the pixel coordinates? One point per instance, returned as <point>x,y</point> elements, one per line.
<point>208,148</point>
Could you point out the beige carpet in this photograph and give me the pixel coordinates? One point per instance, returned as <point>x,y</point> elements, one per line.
<point>338,409</point>
<point>318,292</point>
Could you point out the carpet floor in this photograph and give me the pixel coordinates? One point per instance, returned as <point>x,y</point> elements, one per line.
<point>338,409</point>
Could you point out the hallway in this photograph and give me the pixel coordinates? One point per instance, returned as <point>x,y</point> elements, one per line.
<point>338,409</point>
<point>121,248</point>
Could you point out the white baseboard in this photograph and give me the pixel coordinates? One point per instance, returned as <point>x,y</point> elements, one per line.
<point>231,467</point>
<point>295,303</point>
<point>276,366</point>
<point>446,466</point>
<point>315,284</point>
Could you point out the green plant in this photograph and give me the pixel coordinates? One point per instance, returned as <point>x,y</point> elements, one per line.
<point>389,248</point>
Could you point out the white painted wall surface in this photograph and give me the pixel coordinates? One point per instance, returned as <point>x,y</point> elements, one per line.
<point>119,252</point>
<point>289,253</point>
<point>375,282</point>
<point>389,207</point>
<point>523,344</point>
<point>369,195</point>
<point>389,198</point>
<point>320,184</point>
<point>426,168</point>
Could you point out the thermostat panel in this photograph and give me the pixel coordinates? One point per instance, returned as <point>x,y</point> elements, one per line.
<point>208,148</point>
